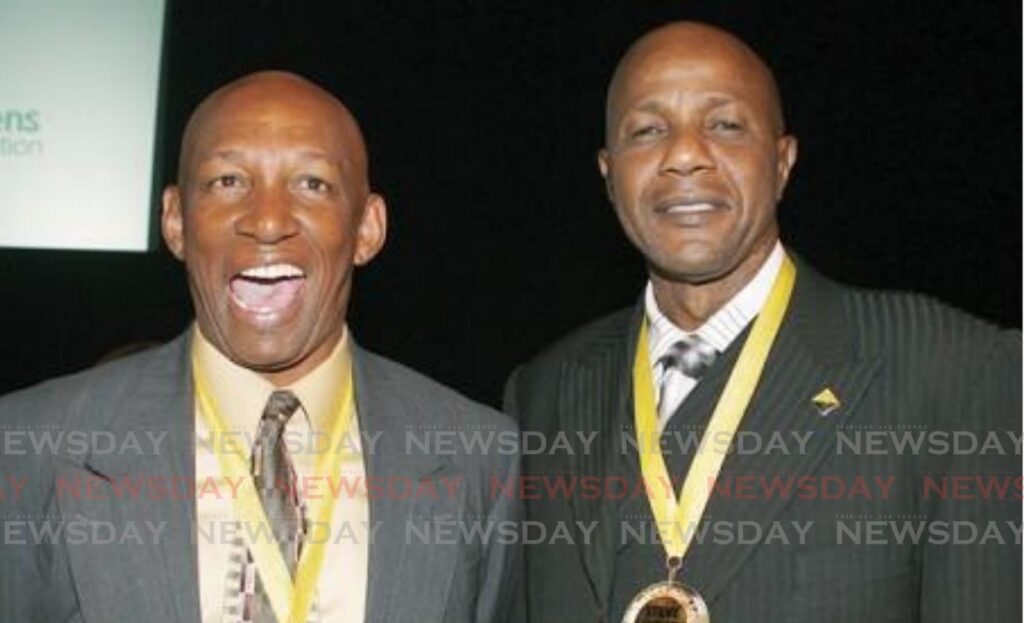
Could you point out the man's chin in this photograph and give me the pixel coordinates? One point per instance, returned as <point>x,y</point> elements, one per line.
<point>266,354</point>
<point>695,270</point>
<point>264,364</point>
<point>283,359</point>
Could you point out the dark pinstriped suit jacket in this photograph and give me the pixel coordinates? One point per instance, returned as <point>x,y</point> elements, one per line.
<point>898,363</point>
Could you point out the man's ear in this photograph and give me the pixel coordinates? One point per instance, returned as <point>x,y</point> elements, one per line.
<point>786,151</point>
<point>373,229</point>
<point>605,165</point>
<point>172,223</point>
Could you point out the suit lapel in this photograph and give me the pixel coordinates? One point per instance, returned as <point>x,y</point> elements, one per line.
<point>155,579</point>
<point>409,579</point>
<point>813,351</point>
<point>594,396</point>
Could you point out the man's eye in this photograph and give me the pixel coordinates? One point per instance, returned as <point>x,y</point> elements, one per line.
<point>647,131</point>
<point>314,184</point>
<point>726,125</point>
<point>226,181</point>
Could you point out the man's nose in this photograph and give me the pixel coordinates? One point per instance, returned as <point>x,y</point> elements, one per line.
<point>687,153</point>
<point>270,217</point>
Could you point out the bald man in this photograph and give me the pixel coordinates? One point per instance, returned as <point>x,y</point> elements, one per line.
<point>768,445</point>
<point>263,466</point>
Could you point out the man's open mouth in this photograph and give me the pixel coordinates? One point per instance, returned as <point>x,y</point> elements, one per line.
<point>268,289</point>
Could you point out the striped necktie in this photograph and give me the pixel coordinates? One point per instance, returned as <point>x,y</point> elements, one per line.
<point>274,477</point>
<point>689,357</point>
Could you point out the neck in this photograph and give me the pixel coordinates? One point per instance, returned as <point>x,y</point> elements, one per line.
<point>296,372</point>
<point>284,378</point>
<point>689,304</point>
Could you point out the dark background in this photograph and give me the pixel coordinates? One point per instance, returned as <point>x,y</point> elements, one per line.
<point>483,119</point>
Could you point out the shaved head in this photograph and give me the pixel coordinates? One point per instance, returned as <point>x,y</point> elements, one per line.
<point>273,89</point>
<point>686,43</point>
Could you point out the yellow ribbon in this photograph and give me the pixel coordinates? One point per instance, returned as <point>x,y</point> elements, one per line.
<point>289,602</point>
<point>677,518</point>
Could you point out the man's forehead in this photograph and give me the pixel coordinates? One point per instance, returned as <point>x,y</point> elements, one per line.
<point>263,110</point>
<point>707,74</point>
<point>708,68</point>
<point>239,139</point>
<point>241,152</point>
<point>270,131</point>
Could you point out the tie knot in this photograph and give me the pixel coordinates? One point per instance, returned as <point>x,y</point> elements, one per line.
<point>280,406</point>
<point>691,355</point>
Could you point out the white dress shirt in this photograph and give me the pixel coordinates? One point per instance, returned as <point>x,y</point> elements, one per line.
<point>719,331</point>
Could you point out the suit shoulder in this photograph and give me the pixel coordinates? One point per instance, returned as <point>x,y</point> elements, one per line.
<point>911,322</point>
<point>53,402</point>
<point>418,389</point>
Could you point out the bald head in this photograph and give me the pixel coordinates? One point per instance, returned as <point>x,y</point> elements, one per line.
<point>264,95</point>
<point>696,48</point>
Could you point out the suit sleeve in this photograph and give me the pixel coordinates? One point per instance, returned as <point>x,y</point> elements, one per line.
<point>23,475</point>
<point>501,569</point>
<point>18,578</point>
<point>518,608</point>
<point>979,579</point>
<point>510,403</point>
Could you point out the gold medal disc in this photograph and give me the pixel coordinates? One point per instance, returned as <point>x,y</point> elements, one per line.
<point>667,602</point>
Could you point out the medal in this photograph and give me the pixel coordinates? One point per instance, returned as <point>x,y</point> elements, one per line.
<point>667,602</point>
<point>671,601</point>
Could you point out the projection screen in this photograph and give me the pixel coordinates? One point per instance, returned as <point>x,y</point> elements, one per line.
<point>79,88</point>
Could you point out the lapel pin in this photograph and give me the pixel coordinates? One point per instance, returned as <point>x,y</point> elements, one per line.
<point>825,402</point>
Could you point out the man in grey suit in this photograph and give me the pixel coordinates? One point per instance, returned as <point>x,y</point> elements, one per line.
<point>865,457</point>
<point>262,463</point>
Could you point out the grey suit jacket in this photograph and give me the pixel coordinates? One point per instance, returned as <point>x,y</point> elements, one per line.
<point>95,569</point>
<point>898,363</point>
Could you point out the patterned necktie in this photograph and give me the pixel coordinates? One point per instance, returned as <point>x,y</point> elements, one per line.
<point>690,357</point>
<point>273,476</point>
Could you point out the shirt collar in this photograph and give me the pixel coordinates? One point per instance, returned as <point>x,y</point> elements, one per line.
<point>725,324</point>
<point>241,394</point>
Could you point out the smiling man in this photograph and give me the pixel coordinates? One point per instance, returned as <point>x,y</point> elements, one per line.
<point>734,337</point>
<point>284,487</point>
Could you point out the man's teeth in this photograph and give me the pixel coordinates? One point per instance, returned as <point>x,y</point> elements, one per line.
<point>690,208</point>
<point>273,271</point>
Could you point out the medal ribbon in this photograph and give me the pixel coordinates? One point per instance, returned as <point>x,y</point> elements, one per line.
<point>289,602</point>
<point>677,518</point>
